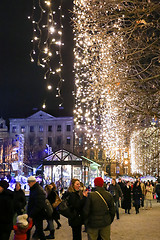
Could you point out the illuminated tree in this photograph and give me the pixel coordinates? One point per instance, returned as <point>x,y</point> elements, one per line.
<point>117,68</point>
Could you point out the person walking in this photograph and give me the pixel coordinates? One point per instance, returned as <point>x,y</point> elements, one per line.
<point>56,215</point>
<point>7,210</point>
<point>76,201</point>
<point>99,212</point>
<point>36,207</point>
<point>127,197</point>
<point>149,195</point>
<point>116,192</point>
<point>19,199</point>
<point>143,188</point>
<point>137,195</point>
<point>51,196</point>
<point>157,190</point>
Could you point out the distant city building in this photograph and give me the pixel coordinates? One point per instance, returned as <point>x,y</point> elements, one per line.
<point>43,134</point>
<point>3,130</point>
<point>5,148</point>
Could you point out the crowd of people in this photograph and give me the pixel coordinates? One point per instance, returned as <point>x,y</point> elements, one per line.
<point>95,207</point>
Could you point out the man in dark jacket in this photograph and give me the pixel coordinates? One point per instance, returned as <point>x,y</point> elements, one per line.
<point>36,206</point>
<point>116,192</point>
<point>99,212</point>
<point>7,210</point>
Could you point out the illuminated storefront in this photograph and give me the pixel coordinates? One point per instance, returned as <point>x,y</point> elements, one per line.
<point>61,166</point>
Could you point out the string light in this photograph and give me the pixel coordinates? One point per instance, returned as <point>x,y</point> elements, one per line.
<point>112,78</point>
<point>47,43</point>
<point>95,76</point>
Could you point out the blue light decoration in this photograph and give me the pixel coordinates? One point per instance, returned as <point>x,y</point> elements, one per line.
<point>154,121</point>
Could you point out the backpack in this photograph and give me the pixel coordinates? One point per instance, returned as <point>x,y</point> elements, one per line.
<point>48,209</point>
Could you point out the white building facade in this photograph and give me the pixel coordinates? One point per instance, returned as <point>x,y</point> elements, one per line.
<point>42,129</point>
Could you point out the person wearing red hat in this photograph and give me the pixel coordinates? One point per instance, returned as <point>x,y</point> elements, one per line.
<point>7,210</point>
<point>99,212</point>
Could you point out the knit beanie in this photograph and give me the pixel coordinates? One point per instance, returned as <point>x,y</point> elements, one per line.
<point>31,179</point>
<point>4,184</point>
<point>98,182</point>
<point>22,220</point>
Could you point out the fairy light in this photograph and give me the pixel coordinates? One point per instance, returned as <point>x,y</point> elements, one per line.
<point>47,42</point>
<point>96,77</point>
<point>144,146</point>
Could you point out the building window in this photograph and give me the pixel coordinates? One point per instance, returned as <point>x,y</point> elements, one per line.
<point>40,128</point>
<point>59,140</point>
<point>126,170</point>
<point>59,128</point>
<point>40,141</point>
<point>1,125</point>
<point>31,141</point>
<point>50,128</point>
<point>68,128</point>
<point>31,128</point>
<point>100,155</point>
<point>80,141</point>
<point>68,140</point>
<point>91,155</point>
<point>14,129</point>
<point>50,141</point>
<point>23,129</point>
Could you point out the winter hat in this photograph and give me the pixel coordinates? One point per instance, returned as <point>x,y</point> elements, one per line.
<point>22,220</point>
<point>4,184</point>
<point>98,182</point>
<point>31,179</point>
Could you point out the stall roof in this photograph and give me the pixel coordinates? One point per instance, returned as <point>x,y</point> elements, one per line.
<point>64,157</point>
<point>98,165</point>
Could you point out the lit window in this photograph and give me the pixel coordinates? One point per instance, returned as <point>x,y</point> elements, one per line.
<point>14,129</point>
<point>40,128</point>
<point>68,140</point>
<point>23,129</point>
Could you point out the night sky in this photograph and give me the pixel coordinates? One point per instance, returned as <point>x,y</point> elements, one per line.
<point>22,86</point>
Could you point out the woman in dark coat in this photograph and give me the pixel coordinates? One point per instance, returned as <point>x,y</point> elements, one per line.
<point>137,195</point>
<point>51,196</point>
<point>7,210</point>
<point>56,215</point>
<point>126,203</point>
<point>19,199</point>
<point>76,202</point>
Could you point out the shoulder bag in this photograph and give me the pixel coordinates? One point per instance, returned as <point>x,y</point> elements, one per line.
<point>57,201</point>
<point>102,199</point>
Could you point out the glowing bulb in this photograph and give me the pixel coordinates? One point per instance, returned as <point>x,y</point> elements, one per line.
<point>44,106</point>
<point>49,87</point>
<point>52,29</point>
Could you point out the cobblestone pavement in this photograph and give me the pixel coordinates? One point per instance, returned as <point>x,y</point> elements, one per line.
<point>142,226</point>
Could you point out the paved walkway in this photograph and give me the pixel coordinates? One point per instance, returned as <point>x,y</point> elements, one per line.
<point>142,226</point>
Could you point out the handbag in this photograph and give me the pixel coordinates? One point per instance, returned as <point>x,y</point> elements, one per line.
<point>102,199</point>
<point>48,208</point>
<point>64,208</point>
<point>57,201</point>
